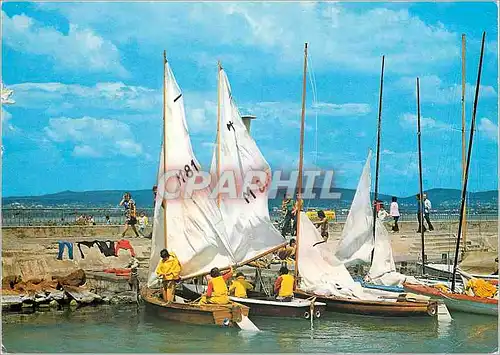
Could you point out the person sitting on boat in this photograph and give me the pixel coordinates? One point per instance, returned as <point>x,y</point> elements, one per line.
<point>217,292</point>
<point>284,285</point>
<point>287,253</point>
<point>323,223</point>
<point>169,269</point>
<point>240,286</point>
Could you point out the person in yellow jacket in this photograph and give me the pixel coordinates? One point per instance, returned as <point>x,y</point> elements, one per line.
<point>169,269</point>
<point>284,285</point>
<point>240,286</point>
<point>217,292</point>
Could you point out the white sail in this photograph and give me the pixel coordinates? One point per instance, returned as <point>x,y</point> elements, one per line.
<point>246,215</point>
<point>320,271</point>
<point>194,224</point>
<point>383,268</point>
<point>356,241</point>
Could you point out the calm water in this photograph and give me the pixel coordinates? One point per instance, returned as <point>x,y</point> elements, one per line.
<point>109,329</point>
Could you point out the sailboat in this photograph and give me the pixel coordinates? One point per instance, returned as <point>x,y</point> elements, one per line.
<point>246,216</point>
<point>190,226</point>
<point>324,276</point>
<point>478,264</point>
<point>454,300</point>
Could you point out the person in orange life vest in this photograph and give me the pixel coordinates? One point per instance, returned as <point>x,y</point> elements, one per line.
<point>284,286</point>
<point>217,292</point>
<point>169,269</point>
<point>240,286</point>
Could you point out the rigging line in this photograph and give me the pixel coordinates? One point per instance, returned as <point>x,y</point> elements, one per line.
<point>312,79</point>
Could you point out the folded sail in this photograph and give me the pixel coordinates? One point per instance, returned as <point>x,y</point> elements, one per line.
<point>246,214</point>
<point>195,228</point>
<point>320,271</point>
<point>356,241</point>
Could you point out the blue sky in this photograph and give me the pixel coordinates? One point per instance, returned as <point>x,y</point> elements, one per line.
<point>87,81</point>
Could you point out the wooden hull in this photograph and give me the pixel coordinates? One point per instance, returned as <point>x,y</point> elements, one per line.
<point>297,308</point>
<point>221,315</point>
<point>375,308</point>
<point>260,305</point>
<point>458,302</point>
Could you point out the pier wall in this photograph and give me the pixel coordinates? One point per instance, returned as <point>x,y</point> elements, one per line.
<point>32,251</point>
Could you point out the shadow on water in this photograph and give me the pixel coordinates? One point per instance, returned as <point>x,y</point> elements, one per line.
<point>131,329</point>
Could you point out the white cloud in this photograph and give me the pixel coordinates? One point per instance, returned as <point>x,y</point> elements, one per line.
<point>409,120</point>
<point>60,97</point>
<point>489,128</point>
<point>349,109</point>
<point>6,125</point>
<point>340,37</point>
<point>79,49</point>
<point>93,137</point>
<point>432,89</point>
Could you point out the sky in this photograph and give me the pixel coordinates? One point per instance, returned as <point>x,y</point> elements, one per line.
<point>87,81</point>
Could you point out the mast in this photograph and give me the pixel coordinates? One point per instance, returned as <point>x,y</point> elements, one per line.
<point>420,183</point>
<point>379,126</point>
<point>301,160</point>
<point>463,137</point>
<point>219,68</point>
<point>165,144</point>
<point>466,176</point>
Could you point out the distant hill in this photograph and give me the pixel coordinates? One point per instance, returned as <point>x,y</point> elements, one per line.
<point>445,199</point>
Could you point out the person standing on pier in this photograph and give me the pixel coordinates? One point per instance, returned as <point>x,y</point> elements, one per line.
<point>169,270</point>
<point>394,211</point>
<point>427,211</point>
<point>130,213</point>
<point>287,206</point>
<point>419,216</point>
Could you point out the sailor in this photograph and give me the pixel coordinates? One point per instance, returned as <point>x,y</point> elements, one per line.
<point>240,286</point>
<point>169,269</point>
<point>217,292</point>
<point>284,286</point>
<point>287,253</point>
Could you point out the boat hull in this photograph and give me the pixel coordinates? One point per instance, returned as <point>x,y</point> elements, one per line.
<point>375,308</point>
<point>297,308</point>
<point>221,315</point>
<point>457,302</point>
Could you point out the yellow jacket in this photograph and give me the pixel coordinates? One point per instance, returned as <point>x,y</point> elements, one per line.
<point>239,287</point>
<point>285,285</point>
<point>481,288</point>
<point>169,269</point>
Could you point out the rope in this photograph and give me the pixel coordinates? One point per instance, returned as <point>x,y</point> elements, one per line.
<point>312,80</point>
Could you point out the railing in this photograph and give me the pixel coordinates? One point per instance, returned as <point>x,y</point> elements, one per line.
<point>70,216</point>
<point>65,216</point>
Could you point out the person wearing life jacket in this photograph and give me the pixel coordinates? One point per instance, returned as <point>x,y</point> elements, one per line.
<point>240,286</point>
<point>284,285</point>
<point>169,270</point>
<point>217,292</point>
